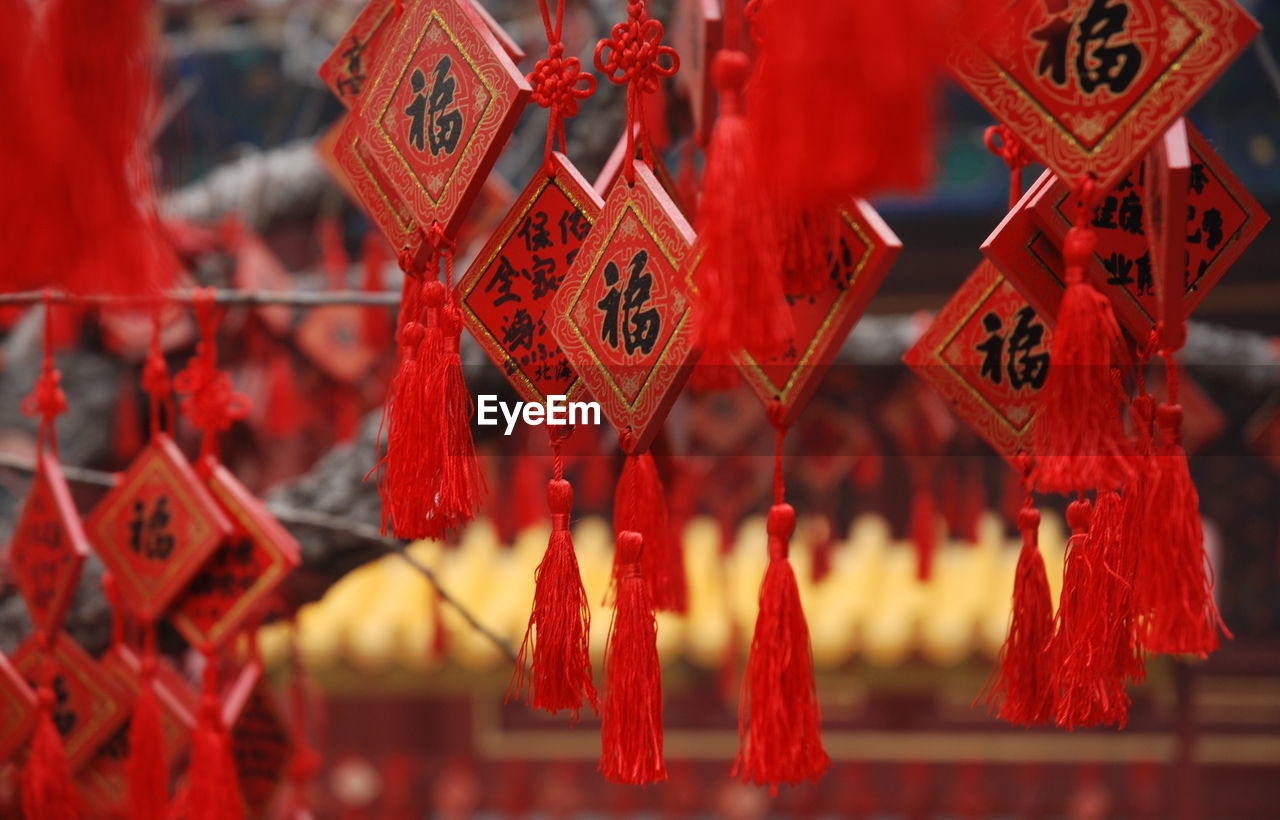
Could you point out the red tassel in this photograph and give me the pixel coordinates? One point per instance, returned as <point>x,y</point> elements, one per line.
<point>285,405</point>
<point>1021,690</point>
<point>1079,432</point>
<point>1088,677</point>
<point>213,787</point>
<point>48,792</point>
<point>127,437</point>
<point>461,484</point>
<point>558,676</point>
<point>739,299</point>
<point>148,766</point>
<point>631,723</point>
<point>640,505</point>
<point>1175,587</point>
<point>924,524</point>
<point>779,725</point>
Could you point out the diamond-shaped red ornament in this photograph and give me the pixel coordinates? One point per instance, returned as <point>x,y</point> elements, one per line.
<point>262,746</point>
<point>89,704</point>
<point>506,294</point>
<point>622,315</point>
<point>440,106</point>
<point>17,709</point>
<point>375,193</point>
<point>234,584</point>
<point>863,249</point>
<point>156,528</point>
<point>105,777</point>
<point>1088,85</point>
<point>987,353</point>
<point>1221,220</point>
<point>1026,254</point>
<point>332,338</point>
<point>48,547</point>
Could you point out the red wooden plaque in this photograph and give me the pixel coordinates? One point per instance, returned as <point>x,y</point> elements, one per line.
<point>48,547</point>
<point>1027,256</point>
<point>506,293</point>
<point>17,709</point>
<point>1221,220</point>
<point>375,194</point>
<point>262,746</point>
<point>987,353</point>
<point>89,705</point>
<point>243,572</point>
<point>105,776</point>
<point>622,315</point>
<point>347,67</point>
<point>156,528</point>
<point>1089,85</point>
<point>332,338</point>
<point>865,248</point>
<point>441,105</point>
<point>698,29</point>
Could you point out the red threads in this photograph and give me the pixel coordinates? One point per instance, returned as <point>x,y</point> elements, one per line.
<point>640,505</point>
<point>631,722</point>
<point>213,788</point>
<point>1079,432</point>
<point>779,724</point>
<point>148,766</point>
<point>555,644</point>
<point>48,792</point>
<point>1021,687</point>
<point>211,403</point>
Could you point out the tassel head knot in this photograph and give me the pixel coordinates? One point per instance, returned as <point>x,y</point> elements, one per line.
<point>730,70</point>
<point>1078,247</point>
<point>433,293</point>
<point>782,521</point>
<point>1078,514</point>
<point>1028,519</point>
<point>560,497</point>
<point>1169,417</point>
<point>630,549</point>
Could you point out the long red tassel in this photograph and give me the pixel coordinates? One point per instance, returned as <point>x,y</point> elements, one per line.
<point>924,518</point>
<point>213,787</point>
<point>48,792</point>
<point>555,644</point>
<point>1079,432</point>
<point>461,485</point>
<point>1021,687</point>
<point>779,723</point>
<point>631,723</point>
<point>640,505</point>
<point>1089,677</point>
<point>1175,589</point>
<point>148,766</point>
<point>285,404</point>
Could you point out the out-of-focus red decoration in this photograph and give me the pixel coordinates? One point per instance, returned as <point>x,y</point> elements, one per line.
<point>262,746</point>
<point>17,709</point>
<point>48,546</point>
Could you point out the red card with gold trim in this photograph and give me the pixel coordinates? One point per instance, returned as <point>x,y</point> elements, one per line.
<point>261,745</point>
<point>1222,218</point>
<point>1026,254</point>
<point>48,547</point>
<point>17,709</point>
<point>622,315</point>
<point>374,192</point>
<point>89,704</point>
<point>232,586</point>
<point>440,106</point>
<point>156,528</point>
<point>864,247</point>
<point>507,292</point>
<point>987,353</point>
<point>347,67</point>
<point>105,777</point>
<point>1088,85</point>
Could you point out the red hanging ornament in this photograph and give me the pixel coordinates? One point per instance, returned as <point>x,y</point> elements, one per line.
<point>18,708</point>
<point>631,720</point>
<point>640,505</point>
<point>1079,435</point>
<point>47,790</point>
<point>779,725</point>
<point>212,790</point>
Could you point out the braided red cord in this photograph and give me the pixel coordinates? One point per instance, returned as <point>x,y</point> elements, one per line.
<point>1012,152</point>
<point>47,400</point>
<point>211,403</point>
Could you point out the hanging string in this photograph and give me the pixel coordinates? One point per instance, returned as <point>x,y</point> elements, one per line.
<point>632,55</point>
<point>155,379</point>
<point>1012,152</point>
<point>775,418</point>
<point>558,82</point>
<point>47,400</point>
<point>212,403</point>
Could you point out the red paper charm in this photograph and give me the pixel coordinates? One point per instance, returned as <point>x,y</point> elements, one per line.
<point>622,315</point>
<point>1221,220</point>
<point>156,528</point>
<point>1089,85</point>
<point>347,67</point>
<point>89,706</point>
<point>440,106</point>
<point>233,584</point>
<point>17,709</point>
<point>48,547</point>
<point>987,353</point>
<point>858,260</point>
<point>508,290</point>
<point>261,745</point>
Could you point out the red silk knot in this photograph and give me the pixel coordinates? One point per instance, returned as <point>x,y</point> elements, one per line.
<point>1007,147</point>
<point>559,83</point>
<point>47,400</point>
<point>212,403</point>
<point>634,52</point>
